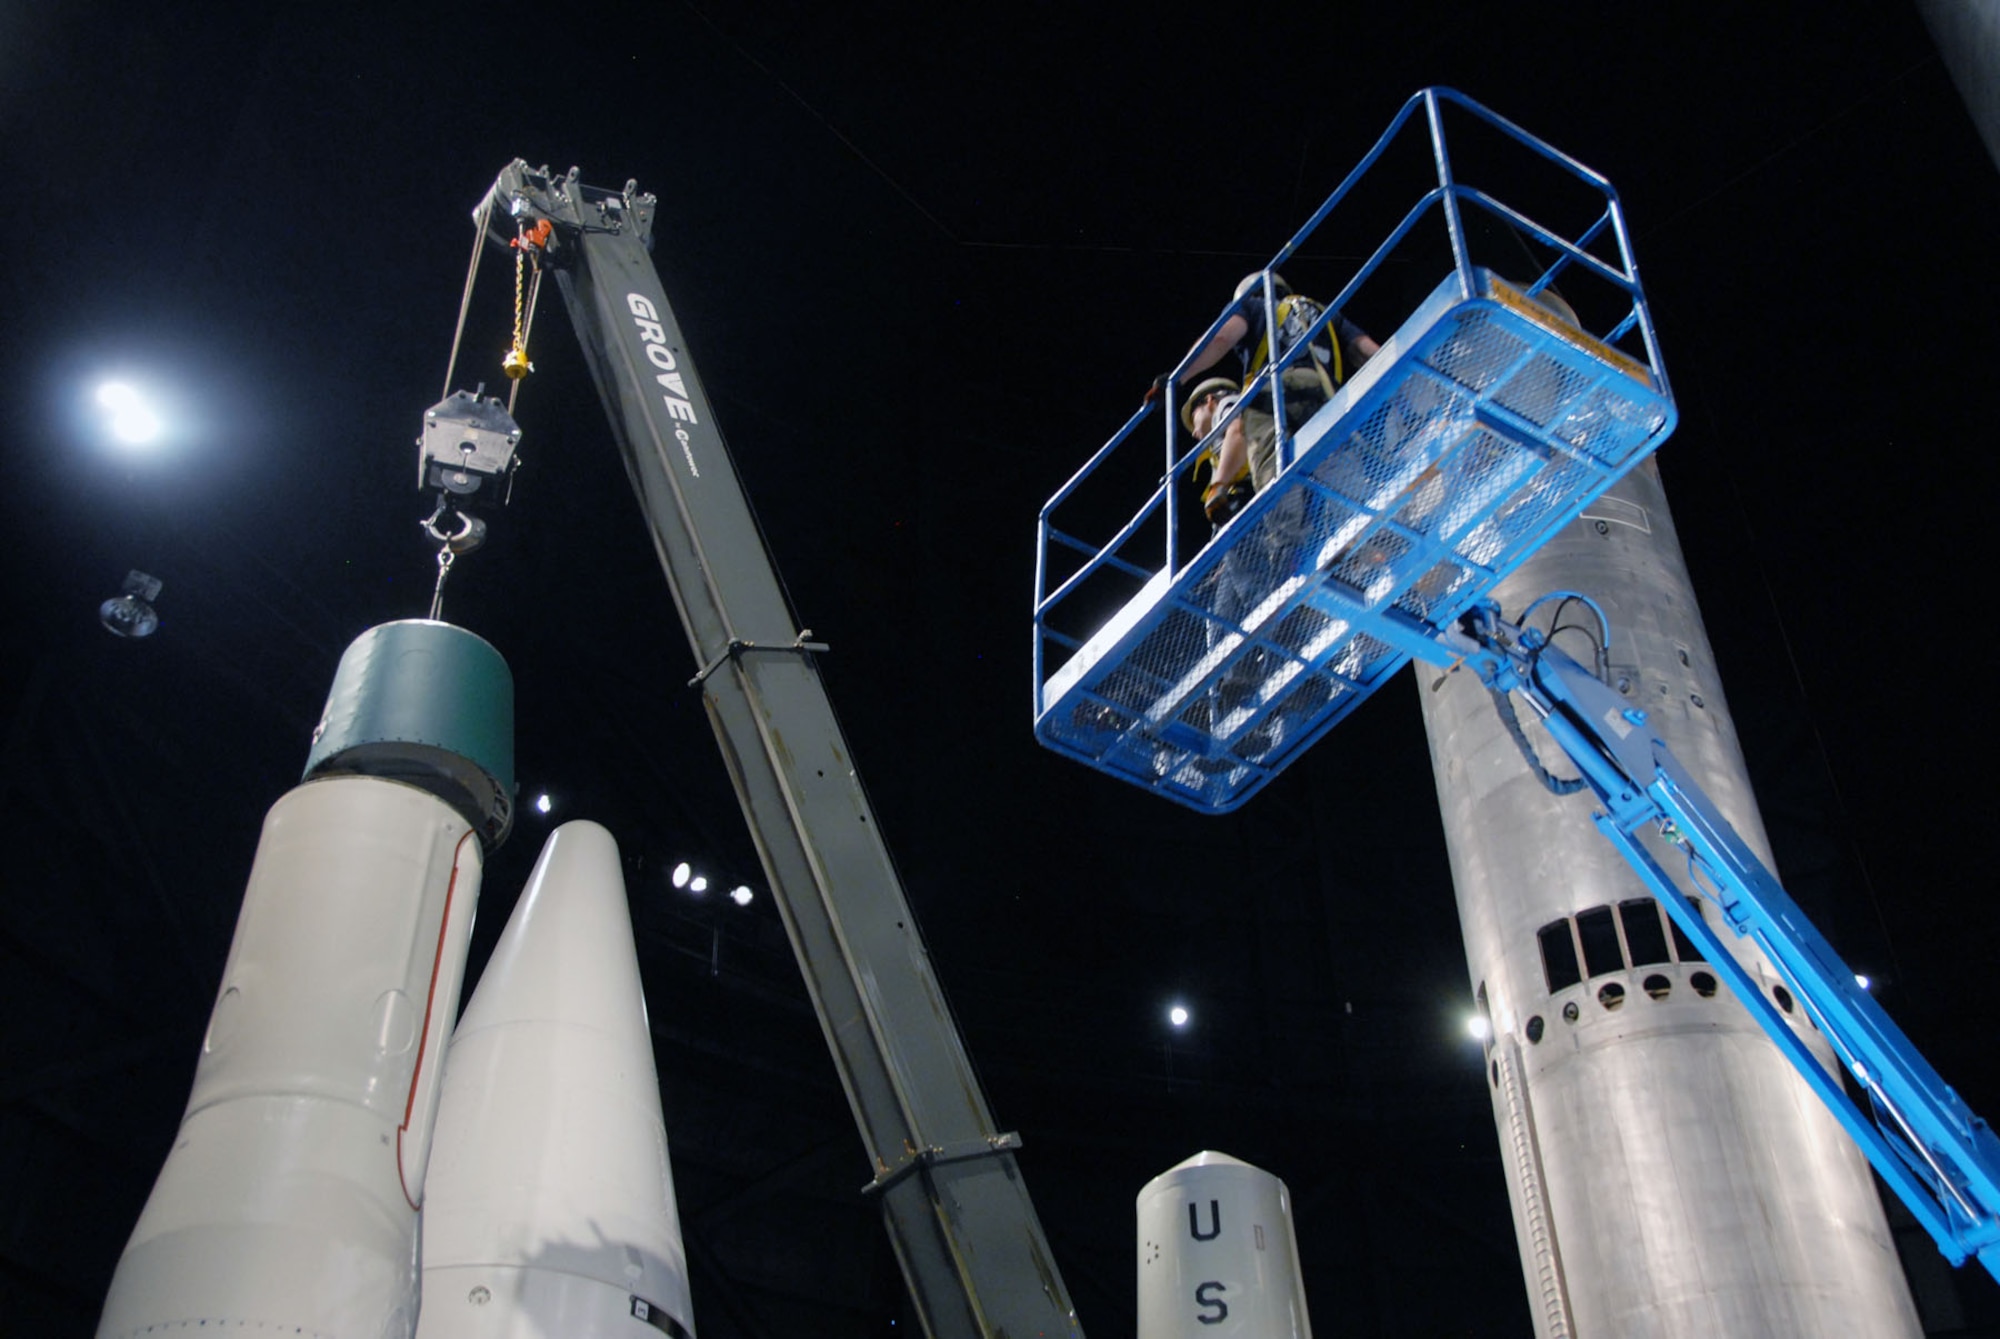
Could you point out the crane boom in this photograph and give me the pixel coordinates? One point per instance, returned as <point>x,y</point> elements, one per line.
<point>957,1210</point>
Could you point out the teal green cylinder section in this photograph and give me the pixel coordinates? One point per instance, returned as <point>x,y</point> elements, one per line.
<point>428,704</point>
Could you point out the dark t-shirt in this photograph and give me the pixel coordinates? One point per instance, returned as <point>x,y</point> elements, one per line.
<point>1296,315</point>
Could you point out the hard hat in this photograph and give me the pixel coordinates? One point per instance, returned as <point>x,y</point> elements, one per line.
<point>1202,392</point>
<point>1256,281</point>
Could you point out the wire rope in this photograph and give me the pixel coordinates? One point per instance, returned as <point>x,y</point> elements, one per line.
<point>480,220</point>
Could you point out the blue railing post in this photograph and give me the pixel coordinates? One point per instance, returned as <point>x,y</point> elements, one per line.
<point>1454,225</point>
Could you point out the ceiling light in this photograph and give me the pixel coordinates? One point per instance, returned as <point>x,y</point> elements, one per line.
<point>130,613</point>
<point>681,873</point>
<point>1478,1028</point>
<point>131,420</point>
<point>698,884</point>
<point>1178,1016</point>
<point>543,803</point>
<point>741,895</point>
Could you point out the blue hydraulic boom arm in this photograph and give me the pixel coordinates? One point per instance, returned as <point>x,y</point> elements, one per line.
<point>1941,1159</point>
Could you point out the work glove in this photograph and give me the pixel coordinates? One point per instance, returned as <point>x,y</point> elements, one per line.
<point>1159,384</point>
<point>1219,502</point>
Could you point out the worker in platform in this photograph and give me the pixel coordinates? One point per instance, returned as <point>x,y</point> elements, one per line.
<point>1308,383</point>
<point>1222,471</point>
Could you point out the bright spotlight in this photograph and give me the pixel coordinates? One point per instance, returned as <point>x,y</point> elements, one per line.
<point>681,873</point>
<point>1178,1016</point>
<point>1478,1028</point>
<point>131,420</point>
<point>543,803</point>
<point>741,895</point>
<point>698,884</point>
<point>1861,980</point>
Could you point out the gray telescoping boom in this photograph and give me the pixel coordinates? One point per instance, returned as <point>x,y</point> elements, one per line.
<point>952,1198</point>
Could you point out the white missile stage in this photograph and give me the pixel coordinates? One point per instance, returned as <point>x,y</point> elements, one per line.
<point>1217,1256</point>
<point>551,1204</point>
<point>289,1202</point>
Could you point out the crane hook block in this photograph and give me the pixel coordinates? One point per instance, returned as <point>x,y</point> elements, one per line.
<point>516,364</point>
<point>467,440</point>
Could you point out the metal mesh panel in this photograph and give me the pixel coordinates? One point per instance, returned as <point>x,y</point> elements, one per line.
<point>1309,634</point>
<point>1279,551</point>
<point>1540,389</point>
<point>1477,352</point>
<point>1234,588</point>
<point>1231,700</point>
<point>1211,781</point>
<point>1470,483</point>
<point>1609,423</point>
<point>1418,498</point>
<point>1143,757</point>
<point>1363,658</point>
<point>1431,594</point>
<point>1389,447</point>
<point>1091,726</point>
<point>1372,566</point>
<point>1495,540</point>
<point>1175,643</point>
<point>1126,687</point>
<point>1290,720</point>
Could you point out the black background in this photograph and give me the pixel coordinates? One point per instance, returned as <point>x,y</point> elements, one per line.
<point>928,261</point>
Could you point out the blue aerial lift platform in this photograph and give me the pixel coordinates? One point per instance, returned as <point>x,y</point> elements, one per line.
<point>1485,423</point>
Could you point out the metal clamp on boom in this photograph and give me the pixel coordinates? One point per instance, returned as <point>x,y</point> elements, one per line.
<point>966,1150</point>
<point>737,646</point>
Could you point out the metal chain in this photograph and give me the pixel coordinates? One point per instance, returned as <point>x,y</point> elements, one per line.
<point>520,273</point>
<point>523,326</point>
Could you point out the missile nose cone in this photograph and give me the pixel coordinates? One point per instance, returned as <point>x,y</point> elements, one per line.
<point>1209,1158</point>
<point>551,1204</point>
<point>566,956</point>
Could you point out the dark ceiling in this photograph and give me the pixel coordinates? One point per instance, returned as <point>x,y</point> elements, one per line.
<point>928,263</point>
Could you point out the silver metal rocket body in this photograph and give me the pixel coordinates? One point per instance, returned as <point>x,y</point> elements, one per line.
<point>1671,1176</point>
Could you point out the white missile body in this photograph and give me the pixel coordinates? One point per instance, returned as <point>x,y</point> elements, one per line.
<point>288,1202</point>
<point>550,1205</point>
<point>1217,1256</point>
